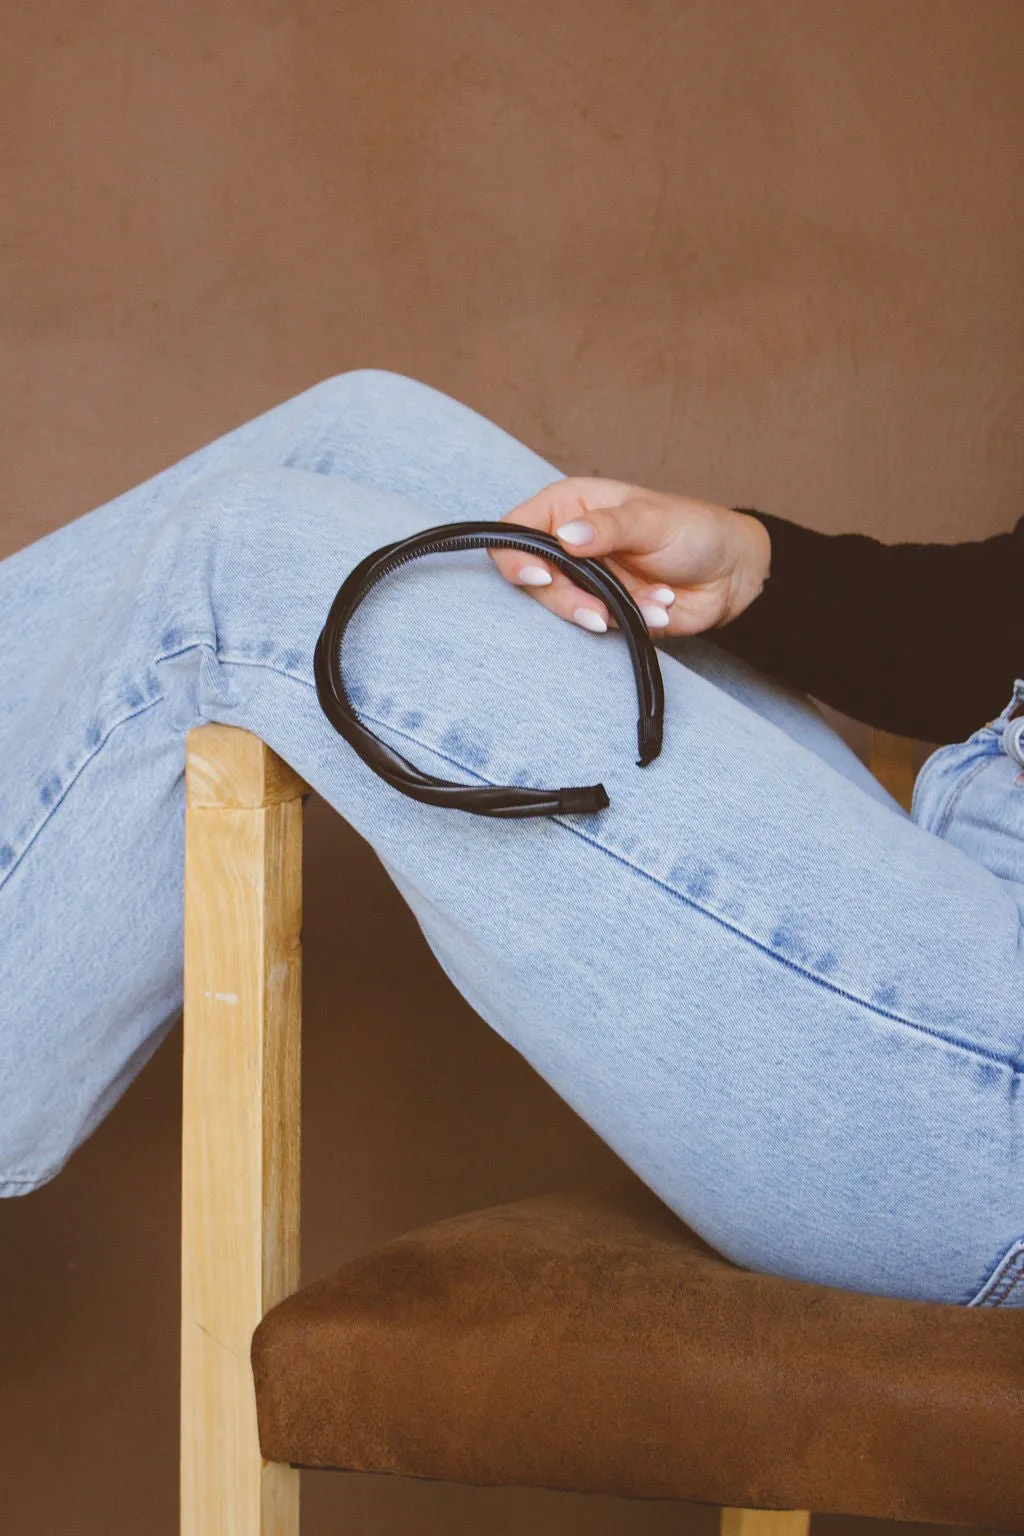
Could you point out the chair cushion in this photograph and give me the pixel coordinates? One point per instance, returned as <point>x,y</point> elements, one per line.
<point>589,1340</point>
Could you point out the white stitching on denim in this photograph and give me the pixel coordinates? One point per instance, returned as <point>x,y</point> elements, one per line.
<point>929,1033</point>
<point>30,833</point>
<point>1008,1282</point>
<point>1005,1277</point>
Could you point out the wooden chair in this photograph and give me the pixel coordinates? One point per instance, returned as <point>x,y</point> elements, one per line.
<point>583,1340</point>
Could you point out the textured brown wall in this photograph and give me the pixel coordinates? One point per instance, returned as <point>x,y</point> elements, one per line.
<point>764,253</point>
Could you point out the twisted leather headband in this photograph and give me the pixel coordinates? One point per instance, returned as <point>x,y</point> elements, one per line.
<point>489,800</point>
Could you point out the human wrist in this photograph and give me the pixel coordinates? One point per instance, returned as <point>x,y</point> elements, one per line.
<point>753,563</point>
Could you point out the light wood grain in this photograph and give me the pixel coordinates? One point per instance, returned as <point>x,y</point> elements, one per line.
<point>892,763</point>
<point>764,1522</point>
<point>240,1133</point>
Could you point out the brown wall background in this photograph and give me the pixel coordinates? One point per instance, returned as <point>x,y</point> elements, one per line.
<point>769,254</point>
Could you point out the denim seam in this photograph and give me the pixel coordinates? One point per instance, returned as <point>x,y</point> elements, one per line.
<point>954,791</point>
<point>1009,1282</point>
<point>954,798</point>
<point>915,793</point>
<point>972,1050</point>
<point>932,1034</point>
<point>1005,1283</point>
<point>66,787</point>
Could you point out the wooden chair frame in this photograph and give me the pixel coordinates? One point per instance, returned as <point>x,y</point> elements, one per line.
<point>241,1120</point>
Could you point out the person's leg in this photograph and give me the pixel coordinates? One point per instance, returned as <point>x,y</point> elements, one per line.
<point>388,433</point>
<point>786,1006</point>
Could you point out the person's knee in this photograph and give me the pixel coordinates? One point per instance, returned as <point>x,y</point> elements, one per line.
<point>264,549</point>
<point>375,388</point>
<point>231,510</point>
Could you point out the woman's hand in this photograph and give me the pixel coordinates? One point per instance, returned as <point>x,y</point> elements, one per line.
<point>690,565</point>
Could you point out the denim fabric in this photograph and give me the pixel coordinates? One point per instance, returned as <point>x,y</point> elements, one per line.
<point>790,1007</point>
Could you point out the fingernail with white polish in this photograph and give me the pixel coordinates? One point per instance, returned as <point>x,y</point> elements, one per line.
<point>575,533</point>
<point>663,595</point>
<point>656,617</point>
<point>593,621</point>
<point>534,576</point>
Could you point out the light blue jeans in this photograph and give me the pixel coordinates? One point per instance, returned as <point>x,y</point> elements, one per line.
<point>791,1008</point>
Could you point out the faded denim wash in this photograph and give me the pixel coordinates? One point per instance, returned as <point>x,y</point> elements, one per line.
<point>790,1007</point>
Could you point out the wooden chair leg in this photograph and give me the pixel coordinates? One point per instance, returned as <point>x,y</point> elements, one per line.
<point>764,1522</point>
<point>240,1134</point>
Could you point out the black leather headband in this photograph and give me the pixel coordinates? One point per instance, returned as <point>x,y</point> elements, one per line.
<point>488,800</point>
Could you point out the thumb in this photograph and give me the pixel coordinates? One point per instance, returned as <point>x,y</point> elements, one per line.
<point>637,526</point>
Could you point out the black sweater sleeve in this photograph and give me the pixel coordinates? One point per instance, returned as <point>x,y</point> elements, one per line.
<point>921,639</point>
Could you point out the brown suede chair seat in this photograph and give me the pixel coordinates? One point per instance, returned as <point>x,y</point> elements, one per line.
<point>588,1340</point>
